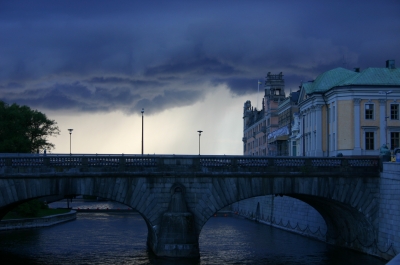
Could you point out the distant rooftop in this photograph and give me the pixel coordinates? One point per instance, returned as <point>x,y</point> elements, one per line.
<point>343,77</point>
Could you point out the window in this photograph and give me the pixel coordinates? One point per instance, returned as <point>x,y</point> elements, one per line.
<point>369,111</point>
<point>394,140</point>
<point>369,141</point>
<point>394,111</point>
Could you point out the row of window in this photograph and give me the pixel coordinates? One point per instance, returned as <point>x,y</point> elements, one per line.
<point>370,140</point>
<point>369,111</point>
<point>256,143</point>
<point>255,130</point>
<point>285,118</point>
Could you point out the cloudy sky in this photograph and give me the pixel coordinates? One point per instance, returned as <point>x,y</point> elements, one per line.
<point>93,65</point>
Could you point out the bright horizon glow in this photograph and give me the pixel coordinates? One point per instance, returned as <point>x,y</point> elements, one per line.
<point>173,131</point>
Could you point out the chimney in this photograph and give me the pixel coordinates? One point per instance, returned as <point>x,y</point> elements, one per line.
<point>390,64</point>
<point>357,70</point>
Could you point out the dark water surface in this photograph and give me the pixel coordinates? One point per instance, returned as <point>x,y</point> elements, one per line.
<point>120,238</point>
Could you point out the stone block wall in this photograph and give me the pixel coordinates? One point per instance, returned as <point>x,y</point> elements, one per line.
<point>283,212</point>
<point>37,222</point>
<point>389,210</point>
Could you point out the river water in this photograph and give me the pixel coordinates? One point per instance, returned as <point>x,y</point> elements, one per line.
<point>120,238</point>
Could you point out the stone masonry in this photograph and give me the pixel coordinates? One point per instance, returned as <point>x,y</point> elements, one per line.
<point>389,210</point>
<point>187,191</point>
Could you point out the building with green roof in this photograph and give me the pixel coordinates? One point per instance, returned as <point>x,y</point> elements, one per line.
<point>349,112</point>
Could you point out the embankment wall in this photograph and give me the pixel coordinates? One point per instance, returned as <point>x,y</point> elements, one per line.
<point>37,222</point>
<point>389,210</point>
<point>283,212</point>
<point>298,217</point>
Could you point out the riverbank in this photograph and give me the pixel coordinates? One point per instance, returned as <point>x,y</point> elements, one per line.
<point>37,222</point>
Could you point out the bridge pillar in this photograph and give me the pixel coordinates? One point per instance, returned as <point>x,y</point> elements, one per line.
<point>177,237</point>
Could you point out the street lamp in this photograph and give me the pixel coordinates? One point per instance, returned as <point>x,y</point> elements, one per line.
<point>386,116</point>
<point>199,139</point>
<point>70,132</point>
<point>142,129</point>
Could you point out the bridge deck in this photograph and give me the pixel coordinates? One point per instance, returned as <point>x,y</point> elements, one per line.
<point>30,164</point>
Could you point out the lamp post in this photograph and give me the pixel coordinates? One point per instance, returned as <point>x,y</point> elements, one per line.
<point>199,139</point>
<point>70,132</point>
<point>386,116</point>
<point>142,129</point>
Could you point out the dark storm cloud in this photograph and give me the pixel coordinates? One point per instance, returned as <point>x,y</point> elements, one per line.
<point>168,99</point>
<point>103,56</point>
<point>127,81</point>
<point>12,85</point>
<point>199,67</point>
<point>239,86</point>
<point>75,96</point>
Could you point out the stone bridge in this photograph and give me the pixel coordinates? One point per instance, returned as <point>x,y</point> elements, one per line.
<point>176,195</point>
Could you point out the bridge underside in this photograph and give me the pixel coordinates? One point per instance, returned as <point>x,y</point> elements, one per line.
<point>346,226</point>
<point>176,208</point>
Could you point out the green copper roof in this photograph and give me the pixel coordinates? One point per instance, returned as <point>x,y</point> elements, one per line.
<point>375,76</point>
<point>343,77</point>
<point>308,87</point>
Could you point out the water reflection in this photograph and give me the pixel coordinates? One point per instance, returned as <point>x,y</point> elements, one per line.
<point>120,238</point>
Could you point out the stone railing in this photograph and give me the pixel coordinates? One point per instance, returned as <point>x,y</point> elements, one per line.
<point>190,163</point>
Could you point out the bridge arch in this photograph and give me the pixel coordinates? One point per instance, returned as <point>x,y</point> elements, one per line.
<point>348,205</point>
<point>344,190</point>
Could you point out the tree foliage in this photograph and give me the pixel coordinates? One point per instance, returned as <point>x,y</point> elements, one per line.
<point>23,130</point>
<point>30,208</point>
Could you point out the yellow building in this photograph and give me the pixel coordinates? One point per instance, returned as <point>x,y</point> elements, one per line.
<point>349,112</point>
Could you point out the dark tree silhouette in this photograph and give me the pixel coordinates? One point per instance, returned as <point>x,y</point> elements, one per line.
<point>23,130</point>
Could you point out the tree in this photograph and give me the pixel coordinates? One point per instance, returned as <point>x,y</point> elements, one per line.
<point>29,209</point>
<point>23,130</point>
